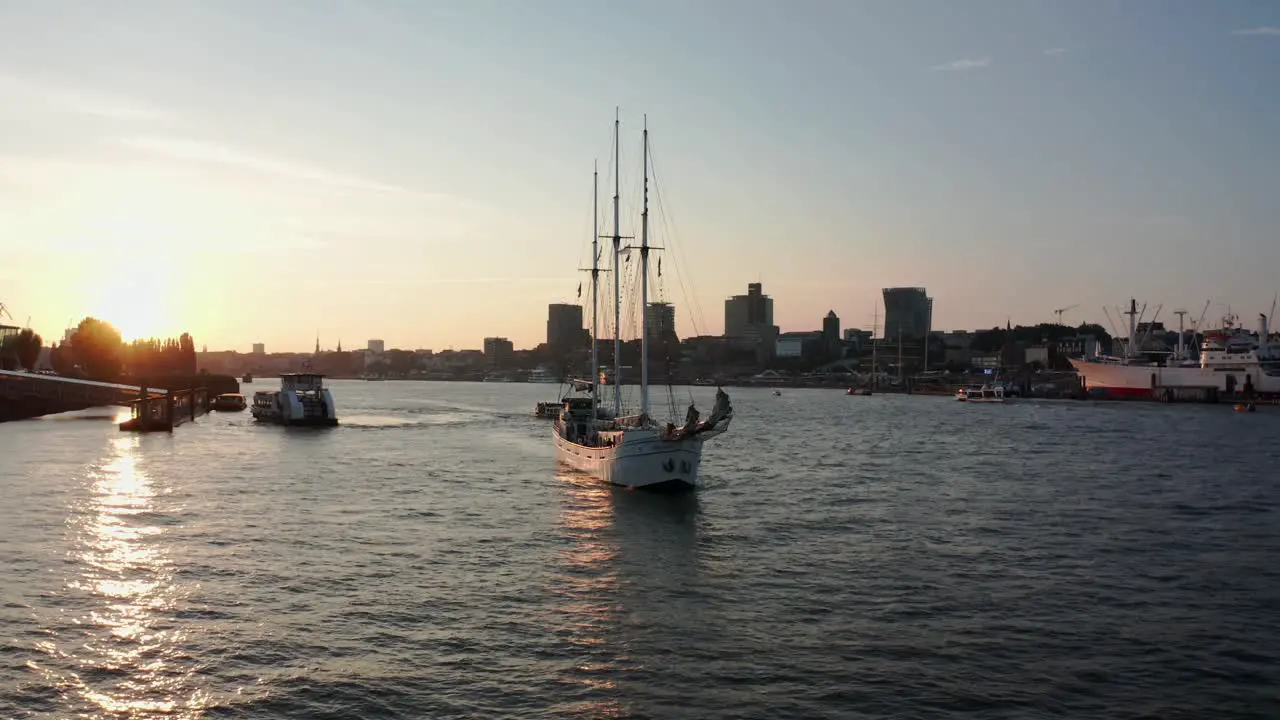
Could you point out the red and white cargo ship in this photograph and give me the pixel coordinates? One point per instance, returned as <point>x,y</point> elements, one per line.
<point>1231,360</point>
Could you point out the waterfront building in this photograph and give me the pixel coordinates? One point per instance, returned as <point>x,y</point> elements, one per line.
<point>661,317</point>
<point>909,310</point>
<point>498,351</point>
<point>564,328</point>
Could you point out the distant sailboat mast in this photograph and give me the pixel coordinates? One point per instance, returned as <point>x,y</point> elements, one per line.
<point>595,287</point>
<point>644,282</point>
<point>875,341</point>
<point>617,289</point>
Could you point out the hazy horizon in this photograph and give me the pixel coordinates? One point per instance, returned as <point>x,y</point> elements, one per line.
<point>420,172</point>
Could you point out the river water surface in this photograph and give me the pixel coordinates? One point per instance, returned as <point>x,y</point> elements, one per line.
<point>849,557</point>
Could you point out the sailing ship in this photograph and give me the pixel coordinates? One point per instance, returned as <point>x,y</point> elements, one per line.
<point>631,450</point>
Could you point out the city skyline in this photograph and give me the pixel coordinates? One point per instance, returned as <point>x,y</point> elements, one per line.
<point>420,172</point>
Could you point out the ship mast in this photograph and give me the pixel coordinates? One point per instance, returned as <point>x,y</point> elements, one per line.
<point>1132,312</point>
<point>644,282</point>
<point>617,289</point>
<point>1181,350</point>
<point>875,342</point>
<point>595,285</point>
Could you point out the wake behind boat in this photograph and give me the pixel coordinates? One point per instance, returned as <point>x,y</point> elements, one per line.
<point>631,450</point>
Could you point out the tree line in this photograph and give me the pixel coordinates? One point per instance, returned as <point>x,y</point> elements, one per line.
<point>96,351</point>
<point>23,346</point>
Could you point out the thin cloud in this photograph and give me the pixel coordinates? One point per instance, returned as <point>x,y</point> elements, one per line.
<point>963,65</point>
<point>1056,51</point>
<point>418,282</point>
<point>1260,30</point>
<point>21,90</point>
<point>206,152</point>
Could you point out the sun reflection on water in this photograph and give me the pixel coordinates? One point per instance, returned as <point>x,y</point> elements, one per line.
<point>125,656</point>
<point>587,589</point>
<point>621,547</point>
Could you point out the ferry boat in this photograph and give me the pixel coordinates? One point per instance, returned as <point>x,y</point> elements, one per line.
<point>981,394</point>
<point>547,410</point>
<point>1232,360</point>
<point>301,400</point>
<point>543,375</point>
<point>229,402</point>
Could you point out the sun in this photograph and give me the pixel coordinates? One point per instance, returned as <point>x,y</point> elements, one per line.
<point>141,307</point>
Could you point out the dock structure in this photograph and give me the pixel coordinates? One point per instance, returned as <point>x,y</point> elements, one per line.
<point>27,395</point>
<point>163,411</point>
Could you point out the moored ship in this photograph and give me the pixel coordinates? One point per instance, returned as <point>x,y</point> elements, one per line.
<point>1232,360</point>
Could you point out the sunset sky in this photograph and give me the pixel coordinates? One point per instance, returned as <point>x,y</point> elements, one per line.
<point>420,172</point>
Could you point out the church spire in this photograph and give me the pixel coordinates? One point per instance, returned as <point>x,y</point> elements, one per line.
<point>339,345</point>
<point>317,342</point>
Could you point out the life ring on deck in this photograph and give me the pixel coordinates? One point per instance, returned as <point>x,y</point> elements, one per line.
<point>668,464</point>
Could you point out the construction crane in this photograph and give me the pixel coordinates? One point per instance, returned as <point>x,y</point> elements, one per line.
<point>1059,311</point>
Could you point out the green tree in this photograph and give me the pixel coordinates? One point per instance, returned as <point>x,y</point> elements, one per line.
<point>98,349</point>
<point>27,345</point>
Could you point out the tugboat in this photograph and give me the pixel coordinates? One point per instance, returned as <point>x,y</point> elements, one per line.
<point>301,400</point>
<point>248,378</point>
<point>229,402</point>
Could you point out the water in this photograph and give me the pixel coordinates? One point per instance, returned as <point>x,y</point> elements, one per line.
<point>902,557</point>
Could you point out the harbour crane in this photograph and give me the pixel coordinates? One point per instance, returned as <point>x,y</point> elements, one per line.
<point>1059,311</point>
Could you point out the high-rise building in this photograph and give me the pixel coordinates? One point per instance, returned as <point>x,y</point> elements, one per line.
<point>377,346</point>
<point>831,330</point>
<point>661,317</point>
<point>259,349</point>
<point>909,310</point>
<point>743,312</point>
<point>498,351</point>
<point>564,327</point>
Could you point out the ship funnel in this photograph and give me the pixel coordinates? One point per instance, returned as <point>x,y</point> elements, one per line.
<point>1263,331</point>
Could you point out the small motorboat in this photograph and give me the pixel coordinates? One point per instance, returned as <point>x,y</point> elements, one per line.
<point>229,402</point>
<point>777,393</point>
<point>981,394</point>
<point>248,378</point>
<point>858,391</point>
<point>1246,407</point>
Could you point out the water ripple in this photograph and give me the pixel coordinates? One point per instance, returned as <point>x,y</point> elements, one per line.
<point>902,558</point>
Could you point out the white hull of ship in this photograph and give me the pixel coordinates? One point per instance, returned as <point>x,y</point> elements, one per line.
<point>642,460</point>
<point>286,407</point>
<point>1139,381</point>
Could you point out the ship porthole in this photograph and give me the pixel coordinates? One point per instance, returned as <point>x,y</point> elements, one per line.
<point>668,464</point>
<point>684,466</point>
